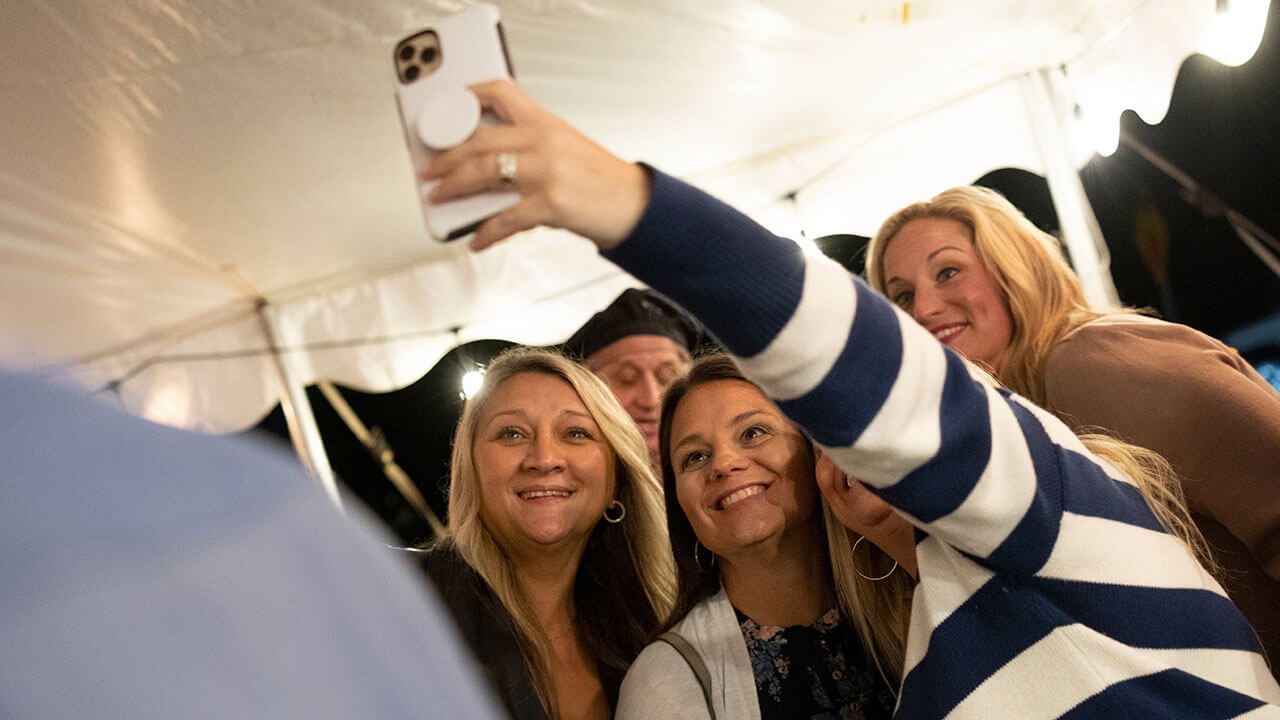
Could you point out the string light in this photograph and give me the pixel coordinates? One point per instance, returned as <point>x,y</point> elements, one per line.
<point>1235,30</point>
<point>472,380</point>
<point>473,372</point>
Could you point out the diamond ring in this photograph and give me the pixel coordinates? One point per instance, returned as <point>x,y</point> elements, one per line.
<point>507,168</point>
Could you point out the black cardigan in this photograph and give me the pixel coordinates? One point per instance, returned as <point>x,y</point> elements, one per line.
<point>488,630</point>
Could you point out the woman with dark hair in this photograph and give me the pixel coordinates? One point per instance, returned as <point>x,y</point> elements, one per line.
<point>755,598</point>
<point>555,563</point>
<point>1051,582</point>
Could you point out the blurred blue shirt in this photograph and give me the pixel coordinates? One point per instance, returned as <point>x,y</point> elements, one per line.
<point>148,572</point>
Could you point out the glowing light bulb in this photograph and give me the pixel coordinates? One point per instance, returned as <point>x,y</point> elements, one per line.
<point>471,382</point>
<point>1095,132</point>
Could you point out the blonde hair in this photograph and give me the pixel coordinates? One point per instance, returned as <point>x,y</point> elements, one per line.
<point>1044,296</point>
<point>642,557</point>
<point>879,609</point>
<point>1046,303</point>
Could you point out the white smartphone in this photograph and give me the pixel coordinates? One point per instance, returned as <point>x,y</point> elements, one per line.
<point>433,68</point>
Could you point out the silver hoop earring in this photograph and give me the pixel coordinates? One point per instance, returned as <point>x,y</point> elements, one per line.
<point>697,559</point>
<point>621,512</point>
<point>854,551</point>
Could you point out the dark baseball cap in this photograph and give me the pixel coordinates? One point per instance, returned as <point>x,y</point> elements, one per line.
<point>636,312</point>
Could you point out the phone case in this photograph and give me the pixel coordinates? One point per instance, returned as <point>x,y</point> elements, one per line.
<point>433,68</point>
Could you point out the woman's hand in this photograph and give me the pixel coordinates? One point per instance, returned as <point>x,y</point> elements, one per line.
<point>865,513</point>
<point>856,507</point>
<point>564,179</point>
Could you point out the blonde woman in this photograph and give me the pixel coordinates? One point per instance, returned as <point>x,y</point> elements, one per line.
<point>1048,587</point>
<point>971,269</point>
<point>555,564</point>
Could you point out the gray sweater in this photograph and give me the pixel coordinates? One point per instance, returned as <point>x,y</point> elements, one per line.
<point>660,683</point>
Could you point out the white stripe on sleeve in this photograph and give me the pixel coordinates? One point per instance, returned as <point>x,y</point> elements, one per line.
<point>1066,667</point>
<point>1151,558</point>
<point>953,579</point>
<point>905,433</point>
<point>1003,493</point>
<point>807,347</point>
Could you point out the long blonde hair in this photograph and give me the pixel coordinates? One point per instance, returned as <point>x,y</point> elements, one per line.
<point>631,560</point>
<point>1045,299</point>
<point>1046,303</point>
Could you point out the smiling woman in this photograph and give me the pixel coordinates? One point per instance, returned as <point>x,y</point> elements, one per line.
<point>555,564</point>
<point>755,597</point>
<point>546,473</point>
<point>936,274</point>
<point>971,269</point>
<point>723,427</point>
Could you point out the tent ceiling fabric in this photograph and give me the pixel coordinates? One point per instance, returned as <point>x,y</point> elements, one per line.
<point>168,168</point>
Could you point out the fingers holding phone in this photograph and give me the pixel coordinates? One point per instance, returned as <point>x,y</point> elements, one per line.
<point>564,179</point>
<point>434,68</point>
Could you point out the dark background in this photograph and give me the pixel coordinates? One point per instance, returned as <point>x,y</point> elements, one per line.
<point>1169,252</point>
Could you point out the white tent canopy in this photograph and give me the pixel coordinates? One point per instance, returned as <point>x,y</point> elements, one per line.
<point>200,198</point>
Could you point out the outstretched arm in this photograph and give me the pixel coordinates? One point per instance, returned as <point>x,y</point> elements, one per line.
<point>981,470</point>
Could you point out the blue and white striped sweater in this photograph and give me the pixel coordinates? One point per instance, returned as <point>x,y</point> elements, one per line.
<point>1047,587</point>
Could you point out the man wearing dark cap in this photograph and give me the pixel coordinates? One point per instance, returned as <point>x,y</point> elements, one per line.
<point>639,345</point>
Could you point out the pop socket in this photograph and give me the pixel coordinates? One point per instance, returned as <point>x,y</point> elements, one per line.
<point>448,117</point>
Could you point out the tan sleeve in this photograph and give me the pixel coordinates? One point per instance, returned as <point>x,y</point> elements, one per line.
<point>1187,396</point>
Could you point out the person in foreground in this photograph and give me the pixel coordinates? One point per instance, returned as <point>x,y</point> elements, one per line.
<point>755,595</point>
<point>151,573</point>
<point>1047,587</point>
<point>970,268</point>
<point>555,563</point>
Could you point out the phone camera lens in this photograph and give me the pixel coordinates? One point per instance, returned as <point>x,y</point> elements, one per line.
<point>428,54</point>
<point>411,73</point>
<point>406,53</point>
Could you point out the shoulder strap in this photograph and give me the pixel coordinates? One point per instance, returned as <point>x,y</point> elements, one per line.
<point>691,656</point>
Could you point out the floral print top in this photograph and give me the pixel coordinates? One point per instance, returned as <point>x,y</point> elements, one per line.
<point>816,672</point>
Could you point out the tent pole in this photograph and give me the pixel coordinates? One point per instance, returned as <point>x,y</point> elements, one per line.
<point>303,430</point>
<point>1210,204</point>
<point>1080,230</point>
<point>380,449</point>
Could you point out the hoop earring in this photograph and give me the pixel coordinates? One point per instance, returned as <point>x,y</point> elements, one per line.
<point>854,550</point>
<point>621,512</point>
